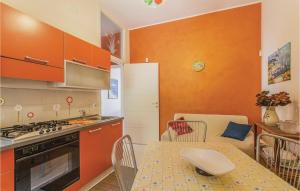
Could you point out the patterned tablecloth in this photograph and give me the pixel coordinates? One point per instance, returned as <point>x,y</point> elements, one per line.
<point>162,168</point>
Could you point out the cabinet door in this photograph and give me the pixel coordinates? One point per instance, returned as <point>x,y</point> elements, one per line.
<point>101,58</point>
<point>7,181</point>
<point>7,170</point>
<point>77,50</point>
<point>74,187</point>
<point>23,70</point>
<point>115,132</point>
<point>27,39</point>
<point>92,150</point>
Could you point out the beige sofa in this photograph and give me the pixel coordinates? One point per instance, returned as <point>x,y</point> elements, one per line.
<point>216,124</point>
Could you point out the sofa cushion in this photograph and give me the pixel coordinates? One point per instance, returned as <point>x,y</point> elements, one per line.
<point>247,146</point>
<point>180,128</point>
<point>237,131</point>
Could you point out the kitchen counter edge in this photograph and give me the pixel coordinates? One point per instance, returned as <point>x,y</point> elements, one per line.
<point>6,144</point>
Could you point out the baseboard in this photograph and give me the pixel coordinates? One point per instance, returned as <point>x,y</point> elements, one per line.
<point>96,180</point>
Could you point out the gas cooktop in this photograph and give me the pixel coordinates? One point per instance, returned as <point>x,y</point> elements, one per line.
<point>33,129</point>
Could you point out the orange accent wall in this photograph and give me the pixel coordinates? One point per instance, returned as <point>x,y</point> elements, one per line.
<point>227,41</point>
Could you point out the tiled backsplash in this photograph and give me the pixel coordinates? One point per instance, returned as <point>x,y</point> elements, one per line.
<point>41,102</point>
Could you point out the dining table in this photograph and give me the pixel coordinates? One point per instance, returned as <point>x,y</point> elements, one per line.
<point>163,169</point>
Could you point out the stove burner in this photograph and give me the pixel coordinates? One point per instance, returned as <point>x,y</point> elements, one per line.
<point>42,127</point>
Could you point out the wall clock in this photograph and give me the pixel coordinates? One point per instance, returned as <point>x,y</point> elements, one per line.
<point>198,66</point>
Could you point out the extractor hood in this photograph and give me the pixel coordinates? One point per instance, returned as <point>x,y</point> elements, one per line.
<point>82,76</point>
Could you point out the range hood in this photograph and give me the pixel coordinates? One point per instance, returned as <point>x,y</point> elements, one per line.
<point>81,76</point>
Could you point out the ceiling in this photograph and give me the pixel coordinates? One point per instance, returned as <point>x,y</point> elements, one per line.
<point>108,26</point>
<point>135,13</point>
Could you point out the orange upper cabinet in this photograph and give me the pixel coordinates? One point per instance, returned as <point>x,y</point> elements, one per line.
<point>77,50</point>
<point>27,39</point>
<point>101,58</point>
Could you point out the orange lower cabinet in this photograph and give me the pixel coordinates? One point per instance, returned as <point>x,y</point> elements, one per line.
<point>115,132</point>
<point>7,170</point>
<point>92,150</point>
<point>74,187</point>
<point>7,181</point>
<point>7,159</point>
<point>95,150</point>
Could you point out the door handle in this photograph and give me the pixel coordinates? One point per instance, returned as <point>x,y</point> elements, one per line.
<point>36,60</point>
<point>102,68</point>
<point>79,61</point>
<point>95,130</point>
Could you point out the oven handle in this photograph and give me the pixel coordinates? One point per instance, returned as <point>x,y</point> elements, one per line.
<point>49,150</point>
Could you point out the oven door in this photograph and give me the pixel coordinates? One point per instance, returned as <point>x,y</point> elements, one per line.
<point>53,169</point>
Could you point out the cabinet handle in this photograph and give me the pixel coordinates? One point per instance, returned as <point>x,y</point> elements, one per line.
<point>102,68</point>
<point>95,130</point>
<point>115,124</point>
<point>36,60</point>
<point>79,61</point>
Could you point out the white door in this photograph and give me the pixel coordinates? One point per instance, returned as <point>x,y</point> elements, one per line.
<point>141,108</point>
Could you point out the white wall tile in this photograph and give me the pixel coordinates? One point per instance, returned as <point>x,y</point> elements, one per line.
<point>41,103</point>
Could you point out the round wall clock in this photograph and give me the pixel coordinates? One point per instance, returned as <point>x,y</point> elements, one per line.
<point>198,66</point>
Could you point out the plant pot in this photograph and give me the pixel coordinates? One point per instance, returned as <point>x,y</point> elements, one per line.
<point>270,117</point>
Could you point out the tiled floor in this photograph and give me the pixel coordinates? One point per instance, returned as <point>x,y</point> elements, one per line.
<point>110,183</point>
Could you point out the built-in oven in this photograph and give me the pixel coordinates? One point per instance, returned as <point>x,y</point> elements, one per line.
<point>51,165</point>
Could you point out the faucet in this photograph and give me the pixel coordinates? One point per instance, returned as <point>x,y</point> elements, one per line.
<point>82,112</point>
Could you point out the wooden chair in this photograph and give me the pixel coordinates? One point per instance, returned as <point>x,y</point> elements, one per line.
<point>280,155</point>
<point>187,131</point>
<point>124,162</point>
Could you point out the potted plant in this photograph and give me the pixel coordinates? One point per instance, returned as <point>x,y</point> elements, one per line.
<point>263,99</point>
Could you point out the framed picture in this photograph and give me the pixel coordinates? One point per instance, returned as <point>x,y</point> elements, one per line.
<point>279,65</point>
<point>113,92</point>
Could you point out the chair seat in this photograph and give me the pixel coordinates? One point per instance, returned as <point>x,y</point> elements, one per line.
<point>128,175</point>
<point>124,163</point>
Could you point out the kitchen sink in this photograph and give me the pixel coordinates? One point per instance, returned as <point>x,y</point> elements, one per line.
<point>99,118</point>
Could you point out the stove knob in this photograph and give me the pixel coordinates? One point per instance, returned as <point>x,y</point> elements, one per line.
<point>54,129</point>
<point>47,130</point>
<point>41,132</point>
<point>59,128</point>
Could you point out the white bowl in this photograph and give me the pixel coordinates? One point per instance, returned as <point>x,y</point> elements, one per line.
<point>209,161</point>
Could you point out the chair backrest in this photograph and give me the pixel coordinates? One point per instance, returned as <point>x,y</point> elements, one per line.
<point>280,155</point>
<point>124,162</point>
<point>216,124</point>
<point>187,131</point>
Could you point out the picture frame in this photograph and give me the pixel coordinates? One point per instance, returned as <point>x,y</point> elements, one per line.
<point>113,93</point>
<point>279,65</point>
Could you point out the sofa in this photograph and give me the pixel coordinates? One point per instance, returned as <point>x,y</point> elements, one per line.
<point>216,125</point>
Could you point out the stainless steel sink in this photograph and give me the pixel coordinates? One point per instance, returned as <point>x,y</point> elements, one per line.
<point>96,118</point>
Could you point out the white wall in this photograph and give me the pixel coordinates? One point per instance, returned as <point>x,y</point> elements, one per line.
<point>78,17</point>
<point>280,25</point>
<point>112,107</point>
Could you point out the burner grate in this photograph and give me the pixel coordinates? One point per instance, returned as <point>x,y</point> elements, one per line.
<point>43,127</point>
